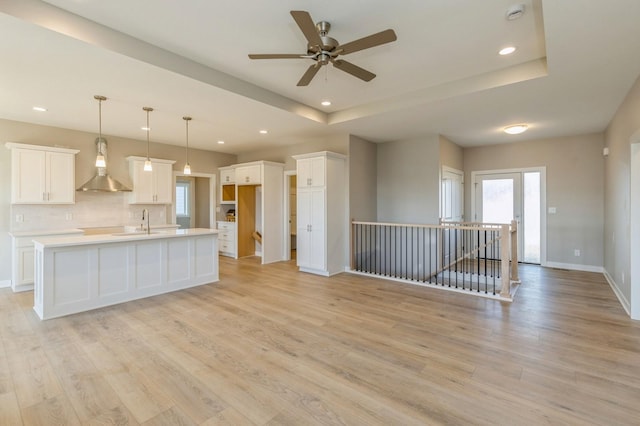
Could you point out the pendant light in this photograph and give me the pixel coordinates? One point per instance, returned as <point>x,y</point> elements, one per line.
<point>187,167</point>
<point>100,161</point>
<point>147,164</point>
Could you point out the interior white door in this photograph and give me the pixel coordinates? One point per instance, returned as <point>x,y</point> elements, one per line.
<point>452,196</point>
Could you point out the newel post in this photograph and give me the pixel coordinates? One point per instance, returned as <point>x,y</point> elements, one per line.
<point>504,261</point>
<point>514,251</point>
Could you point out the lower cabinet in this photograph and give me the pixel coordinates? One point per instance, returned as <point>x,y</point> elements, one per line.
<point>311,248</point>
<point>227,238</point>
<point>22,262</point>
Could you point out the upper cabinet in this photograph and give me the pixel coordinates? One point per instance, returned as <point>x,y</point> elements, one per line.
<point>154,187</point>
<point>227,185</point>
<point>227,175</point>
<point>310,172</point>
<point>42,174</point>
<point>249,175</point>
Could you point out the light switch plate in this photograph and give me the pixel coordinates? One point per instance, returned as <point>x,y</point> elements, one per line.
<point>552,210</point>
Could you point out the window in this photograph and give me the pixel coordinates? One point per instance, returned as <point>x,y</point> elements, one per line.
<point>182,199</point>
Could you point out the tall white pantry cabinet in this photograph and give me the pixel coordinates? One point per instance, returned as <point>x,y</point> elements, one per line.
<point>321,206</point>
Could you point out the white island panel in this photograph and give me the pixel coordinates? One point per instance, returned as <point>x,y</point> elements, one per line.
<point>72,269</point>
<point>179,259</point>
<point>148,260</point>
<point>82,273</point>
<point>204,252</point>
<point>113,277</point>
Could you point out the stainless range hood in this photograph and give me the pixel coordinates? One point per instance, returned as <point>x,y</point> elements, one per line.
<point>102,182</point>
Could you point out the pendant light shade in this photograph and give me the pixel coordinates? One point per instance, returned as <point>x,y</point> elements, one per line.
<point>100,161</point>
<point>147,164</point>
<point>187,167</point>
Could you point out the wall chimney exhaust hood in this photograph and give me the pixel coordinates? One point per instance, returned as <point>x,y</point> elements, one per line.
<point>102,182</point>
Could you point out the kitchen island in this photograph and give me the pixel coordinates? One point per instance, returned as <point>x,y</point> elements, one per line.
<point>79,273</point>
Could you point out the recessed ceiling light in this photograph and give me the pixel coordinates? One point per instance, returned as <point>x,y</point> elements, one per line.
<point>221,142</point>
<point>507,50</point>
<point>325,103</point>
<point>38,108</point>
<point>516,129</point>
<point>263,132</point>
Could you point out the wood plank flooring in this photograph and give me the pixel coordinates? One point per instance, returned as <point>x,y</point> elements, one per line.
<point>269,346</point>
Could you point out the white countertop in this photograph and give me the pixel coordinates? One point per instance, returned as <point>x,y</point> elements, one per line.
<point>20,234</point>
<point>77,240</point>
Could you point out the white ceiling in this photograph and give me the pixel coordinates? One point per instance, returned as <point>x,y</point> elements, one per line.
<point>576,60</point>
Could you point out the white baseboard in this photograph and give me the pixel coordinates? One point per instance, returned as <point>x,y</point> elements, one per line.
<point>616,290</point>
<point>5,283</point>
<point>575,267</point>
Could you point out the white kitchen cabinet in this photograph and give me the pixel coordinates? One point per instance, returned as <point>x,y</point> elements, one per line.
<point>321,213</point>
<point>227,185</point>
<point>249,175</point>
<point>227,238</point>
<point>42,174</point>
<point>311,172</point>
<point>227,175</point>
<point>22,255</point>
<point>154,187</point>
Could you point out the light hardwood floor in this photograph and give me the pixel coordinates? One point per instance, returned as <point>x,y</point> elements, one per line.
<point>268,345</point>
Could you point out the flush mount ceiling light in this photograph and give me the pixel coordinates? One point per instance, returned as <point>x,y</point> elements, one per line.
<point>516,129</point>
<point>100,161</point>
<point>325,103</point>
<point>147,164</point>
<point>221,142</point>
<point>187,167</point>
<point>263,132</point>
<point>39,109</point>
<point>507,51</point>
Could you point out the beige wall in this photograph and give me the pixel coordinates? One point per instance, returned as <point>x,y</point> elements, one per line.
<point>338,144</point>
<point>625,123</point>
<point>451,155</point>
<point>408,180</point>
<point>362,179</point>
<point>90,208</point>
<point>202,202</point>
<point>575,186</point>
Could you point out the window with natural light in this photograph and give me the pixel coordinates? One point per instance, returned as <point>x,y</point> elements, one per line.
<point>182,199</point>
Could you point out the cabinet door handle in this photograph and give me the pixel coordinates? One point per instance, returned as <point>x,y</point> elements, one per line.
<point>44,196</point>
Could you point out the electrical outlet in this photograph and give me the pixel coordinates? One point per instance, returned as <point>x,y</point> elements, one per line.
<point>68,216</point>
<point>161,213</point>
<point>552,210</point>
<point>576,253</point>
<point>19,218</point>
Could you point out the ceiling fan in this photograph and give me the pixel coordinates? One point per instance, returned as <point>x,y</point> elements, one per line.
<point>323,49</point>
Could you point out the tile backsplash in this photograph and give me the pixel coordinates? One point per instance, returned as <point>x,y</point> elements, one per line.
<point>92,209</point>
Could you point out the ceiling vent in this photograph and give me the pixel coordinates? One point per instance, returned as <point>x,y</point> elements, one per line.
<point>514,12</point>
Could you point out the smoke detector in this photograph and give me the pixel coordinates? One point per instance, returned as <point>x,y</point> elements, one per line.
<point>514,12</point>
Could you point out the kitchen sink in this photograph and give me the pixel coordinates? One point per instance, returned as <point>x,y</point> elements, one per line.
<point>133,233</point>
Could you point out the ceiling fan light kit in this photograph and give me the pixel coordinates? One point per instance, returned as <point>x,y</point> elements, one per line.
<point>323,49</point>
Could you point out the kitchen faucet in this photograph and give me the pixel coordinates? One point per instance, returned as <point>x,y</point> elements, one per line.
<point>145,212</point>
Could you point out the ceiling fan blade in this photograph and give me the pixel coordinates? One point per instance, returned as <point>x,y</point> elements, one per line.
<point>309,74</point>
<point>386,36</point>
<point>354,70</point>
<point>306,25</point>
<point>276,56</point>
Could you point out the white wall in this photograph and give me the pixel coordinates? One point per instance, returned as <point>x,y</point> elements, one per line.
<point>408,180</point>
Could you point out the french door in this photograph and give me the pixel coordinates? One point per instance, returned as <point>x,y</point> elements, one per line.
<point>503,197</point>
